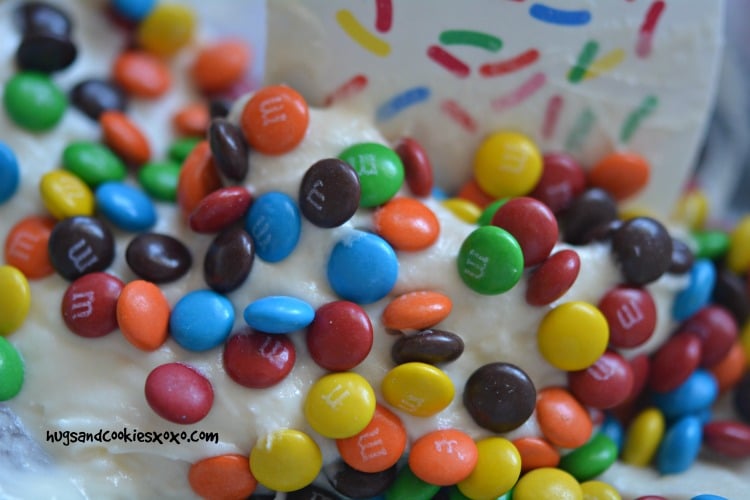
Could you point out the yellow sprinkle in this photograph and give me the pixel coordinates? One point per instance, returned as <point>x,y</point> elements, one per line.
<point>359,34</point>
<point>607,62</point>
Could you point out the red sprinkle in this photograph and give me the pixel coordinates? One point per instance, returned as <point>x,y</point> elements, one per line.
<point>89,305</point>
<point>459,115</point>
<point>506,66</point>
<point>258,360</point>
<point>340,336</point>
<point>383,15</point>
<point>353,86</point>
<point>220,209</point>
<point>552,115</point>
<point>553,277</point>
<point>178,393</point>
<point>448,61</point>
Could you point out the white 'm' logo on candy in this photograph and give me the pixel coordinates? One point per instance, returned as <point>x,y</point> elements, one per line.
<point>272,111</point>
<point>315,197</point>
<point>629,314</point>
<point>476,264</point>
<point>82,255</point>
<point>371,446</point>
<point>513,158</point>
<point>271,351</point>
<point>83,304</point>
<point>335,403</point>
<point>262,232</point>
<point>411,403</point>
<point>22,245</point>
<point>446,446</point>
<point>367,165</point>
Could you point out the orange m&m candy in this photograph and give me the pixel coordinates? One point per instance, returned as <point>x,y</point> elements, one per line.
<point>443,457</point>
<point>218,66</point>
<point>378,446</point>
<point>620,174</point>
<point>26,246</point>
<point>143,315</point>
<point>275,119</point>
<point>125,137</point>
<point>222,477</point>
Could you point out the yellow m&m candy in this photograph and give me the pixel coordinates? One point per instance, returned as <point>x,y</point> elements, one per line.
<point>15,299</point>
<point>497,470</point>
<point>418,389</point>
<point>507,164</point>
<point>340,405</point>
<point>167,29</point>
<point>285,460</point>
<point>643,438</point>
<point>547,483</point>
<point>65,195</point>
<point>573,335</point>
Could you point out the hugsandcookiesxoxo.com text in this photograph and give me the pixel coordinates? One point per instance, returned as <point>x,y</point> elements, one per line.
<point>125,435</point>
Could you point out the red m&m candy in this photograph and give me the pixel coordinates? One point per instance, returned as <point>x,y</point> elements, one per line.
<point>178,393</point>
<point>340,336</point>
<point>89,306</point>
<point>258,360</point>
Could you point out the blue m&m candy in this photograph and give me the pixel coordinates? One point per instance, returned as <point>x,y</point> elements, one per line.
<point>680,446</point>
<point>362,267</point>
<point>697,293</point>
<point>275,224</point>
<point>9,176</point>
<point>279,314</point>
<point>201,320</point>
<point>692,397</point>
<point>126,207</point>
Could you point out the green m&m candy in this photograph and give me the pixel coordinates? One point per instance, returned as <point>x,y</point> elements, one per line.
<point>181,148</point>
<point>93,163</point>
<point>159,179</point>
<point>33,101</point>
<point>379,169</point>
<point>407,486</point>
<point>591,459</point>
<point>490,260</point>
<point>11,370</point>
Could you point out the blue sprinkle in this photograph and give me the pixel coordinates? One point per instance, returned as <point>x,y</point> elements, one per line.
<point>201,320</point>
<point>708,496</point>
<point>279,314</point>
<point>680,446</point>
<point>401,101</point>
<point>552,15</point>
<point>362,268</point>
<point>126,207</point>
<point>275,224</point>
<point>9,174</point>
<point>697,293</point>
<point>692,397</point>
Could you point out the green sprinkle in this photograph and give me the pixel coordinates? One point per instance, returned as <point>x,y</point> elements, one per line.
<point>469,37</point>
<point>585,58</point>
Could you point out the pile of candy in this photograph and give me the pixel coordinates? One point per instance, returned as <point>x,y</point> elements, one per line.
<point>649,408</point>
